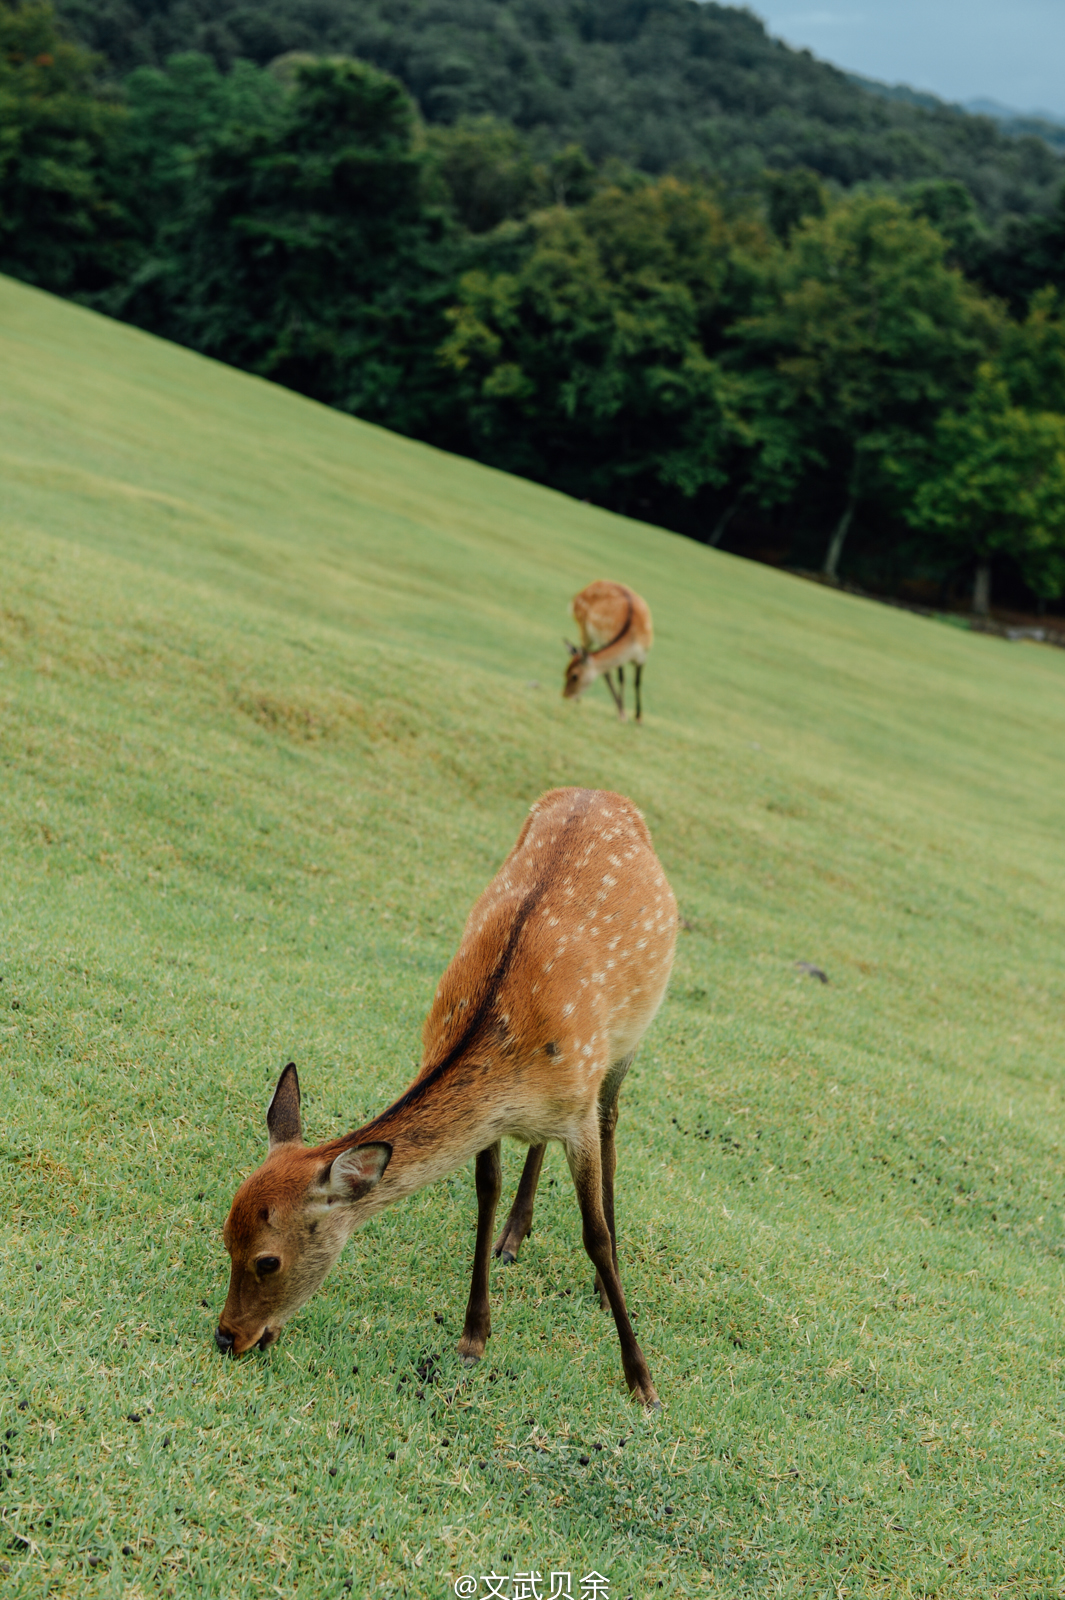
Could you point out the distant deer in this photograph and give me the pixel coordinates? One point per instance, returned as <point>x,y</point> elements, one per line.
<point>615,628</point>
<point>563,963</point>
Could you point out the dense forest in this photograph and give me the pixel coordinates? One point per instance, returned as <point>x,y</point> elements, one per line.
<point>641,252</point>
<point>662,85</point>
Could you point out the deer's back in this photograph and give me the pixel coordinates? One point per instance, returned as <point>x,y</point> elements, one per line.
<point>604,610</point>
<point>564,959</point>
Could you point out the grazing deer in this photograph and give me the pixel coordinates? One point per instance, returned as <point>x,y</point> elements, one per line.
<point>615,627</point>
<point>563,963</point>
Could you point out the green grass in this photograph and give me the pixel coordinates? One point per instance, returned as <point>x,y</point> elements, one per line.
<point>268,724</point>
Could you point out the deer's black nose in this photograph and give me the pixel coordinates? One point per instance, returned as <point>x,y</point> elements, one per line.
<point>225,1341</point>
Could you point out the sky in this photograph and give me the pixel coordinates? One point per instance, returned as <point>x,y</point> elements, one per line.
<point>1012,51</point>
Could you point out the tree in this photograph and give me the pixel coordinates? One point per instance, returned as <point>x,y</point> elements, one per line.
<point>865,332</point>
<point>60,226</point>
<point>310,249</point>
<point>791,197</point>
<point>174,114</point>
<point>1028,255</point>
<point>993,483</point>
<point>585,361</point>
<point>1032,354</point>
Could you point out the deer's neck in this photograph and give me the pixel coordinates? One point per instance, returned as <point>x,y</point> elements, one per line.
<point>436,1126</point>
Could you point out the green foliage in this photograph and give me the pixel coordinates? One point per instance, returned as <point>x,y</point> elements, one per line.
<point>673,85</point>
<point>1026,256</point>
<point>793,196</point>
<point>1032,354</point>
<point>745,342</point>
<point>307,249</point>
<point>949,206</point>
<point>993,483</point>
<point>587,364</point>
<point>172,115</point>
<point>866,332</point>
<point>490,174</point>
<point>60,224</point>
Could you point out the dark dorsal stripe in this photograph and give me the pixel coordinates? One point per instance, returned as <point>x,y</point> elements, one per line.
<point>625,626</point>
<point>480,1016</point>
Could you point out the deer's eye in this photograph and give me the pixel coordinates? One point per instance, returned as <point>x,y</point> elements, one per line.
<point>267,1264</point>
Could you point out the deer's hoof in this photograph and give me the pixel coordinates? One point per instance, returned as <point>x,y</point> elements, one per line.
<point>507,1246</point>
<point>471,1349</point>
<point>643,1390</point>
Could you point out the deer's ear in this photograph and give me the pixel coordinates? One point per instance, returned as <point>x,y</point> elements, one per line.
<point>356,1171</point>
<point>572,648</point>
<point>283,1112</point>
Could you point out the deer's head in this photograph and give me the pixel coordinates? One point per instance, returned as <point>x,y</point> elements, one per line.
<point>289,1221</point>
<point>580,672</point>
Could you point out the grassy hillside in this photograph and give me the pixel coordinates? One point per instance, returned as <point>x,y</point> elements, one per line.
<point>276,689</point>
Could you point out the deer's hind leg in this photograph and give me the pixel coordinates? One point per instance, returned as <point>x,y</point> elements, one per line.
<point>585,1163</point>
<point>608,1121</point>
<point>519,1223</point>
<point>477,1328</point>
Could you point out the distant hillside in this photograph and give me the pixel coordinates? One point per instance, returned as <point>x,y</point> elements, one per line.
<point>1015,124</point>
<point>659,85</point>
<point>1021,124</point>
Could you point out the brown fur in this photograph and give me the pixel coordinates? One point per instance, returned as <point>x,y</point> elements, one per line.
<point>562,965</point>
<point>616,628</point>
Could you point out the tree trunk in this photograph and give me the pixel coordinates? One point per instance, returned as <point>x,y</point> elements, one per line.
<point>835,548</point>
<point>721,525</point>
<point>982,588</point>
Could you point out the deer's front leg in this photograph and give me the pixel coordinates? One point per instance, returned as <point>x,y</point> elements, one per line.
<point>478,1325</point>
<point>519,1223</point>
<point>586,1166</point>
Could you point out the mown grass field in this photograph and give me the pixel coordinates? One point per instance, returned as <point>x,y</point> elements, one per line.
<point>269,720</point>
